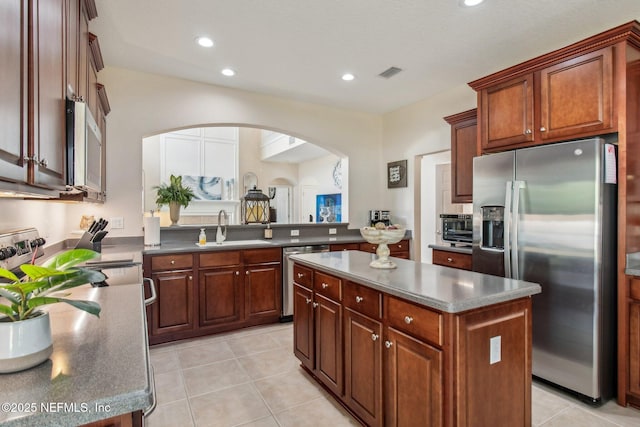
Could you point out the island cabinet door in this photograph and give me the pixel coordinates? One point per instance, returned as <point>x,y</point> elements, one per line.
<point>363,366</point>
<point>413,378</point>
<point>220,296</point>
<point>263,289</point>
<point>303,341</point>
<point>173,310</point>
<point>329,356</point>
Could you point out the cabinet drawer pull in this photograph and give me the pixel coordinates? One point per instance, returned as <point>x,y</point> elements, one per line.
<point>359,299</point>
<point>237,273</point>
<point>543,129</point>
<point>325,285</point>
<point>300,275</point>
<point>388,344</point>
<point>399,246</point>
<point>190,277</point>
<point>527,132</point>
<point>246,273</point>
<point>375,337</point>
<point>449,259</point>
<point>315,304</point>
<point>308,300</point>
<point>173,262</point>
<point>408,320</point>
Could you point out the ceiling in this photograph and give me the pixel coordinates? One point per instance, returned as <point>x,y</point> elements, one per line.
<point>299,49</point>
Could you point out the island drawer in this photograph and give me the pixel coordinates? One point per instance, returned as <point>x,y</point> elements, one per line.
<point>219,259</point>
<point>363,300</point>
<point>302,275</point>
<point>329,286</point>
<point>414,320</point>
<point>452,259</point>
<point>634,289</point>
<point>171,262</point>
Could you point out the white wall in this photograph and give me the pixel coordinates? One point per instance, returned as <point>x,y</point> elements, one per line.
<point>49,218</point>
<point>146,104</point>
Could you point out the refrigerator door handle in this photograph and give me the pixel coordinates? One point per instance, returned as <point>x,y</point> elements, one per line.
<point>517,185</point>
<point>507,227</point>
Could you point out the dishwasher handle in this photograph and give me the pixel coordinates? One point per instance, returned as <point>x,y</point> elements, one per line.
<point>152,287</point>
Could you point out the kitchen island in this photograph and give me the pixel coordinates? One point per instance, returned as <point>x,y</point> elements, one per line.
<point>99,369</point>
<point>417,345</point>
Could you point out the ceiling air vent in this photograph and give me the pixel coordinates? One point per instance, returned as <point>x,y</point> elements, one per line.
<point>390,72</point>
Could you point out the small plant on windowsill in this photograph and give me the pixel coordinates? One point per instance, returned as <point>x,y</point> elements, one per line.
<point>175,195</point>
<point>25,331</point>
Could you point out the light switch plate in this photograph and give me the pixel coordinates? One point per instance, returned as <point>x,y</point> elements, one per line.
<point>116,222</point>
<point>495,350</point>
<point>333,231</point>
<point>295,233</point>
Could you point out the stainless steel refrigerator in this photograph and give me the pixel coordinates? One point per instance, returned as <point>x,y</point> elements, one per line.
<point>548,215</point>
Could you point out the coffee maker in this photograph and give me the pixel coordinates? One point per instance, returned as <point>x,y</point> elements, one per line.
<point>376,216</point>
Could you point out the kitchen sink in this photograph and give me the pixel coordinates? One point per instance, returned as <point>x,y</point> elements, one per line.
<point>235,243</point>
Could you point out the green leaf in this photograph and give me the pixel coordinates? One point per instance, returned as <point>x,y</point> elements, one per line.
<point>70,258</point>
<point>79,277</point>
<point>35,272</point>
<point>7,310</point>
<point>8,275</point>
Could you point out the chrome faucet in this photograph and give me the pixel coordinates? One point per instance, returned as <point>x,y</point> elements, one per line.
<point>221,234</point>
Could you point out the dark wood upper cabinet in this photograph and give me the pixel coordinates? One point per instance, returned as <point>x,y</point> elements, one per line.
<point>464,139</point>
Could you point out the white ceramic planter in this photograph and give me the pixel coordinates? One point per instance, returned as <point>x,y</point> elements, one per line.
<point>25,344</point>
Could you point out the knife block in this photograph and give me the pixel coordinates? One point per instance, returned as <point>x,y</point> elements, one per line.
<point>85,242</point>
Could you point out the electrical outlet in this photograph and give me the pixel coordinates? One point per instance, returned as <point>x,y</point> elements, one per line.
<point>333,231</point>
<point>495,351</point>
<point>116,222</point>
<point>295,233</point>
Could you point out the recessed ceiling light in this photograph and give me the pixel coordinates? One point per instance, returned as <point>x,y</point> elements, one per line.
<point>204,41</point>
<point>347,77</point>
<point>228,72</point>
<point>472,2</point>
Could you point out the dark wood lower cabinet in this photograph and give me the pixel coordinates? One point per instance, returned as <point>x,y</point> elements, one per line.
<point>263,288</point>
<point>414,393</point>
<point>328,322</point>
<point>303,340</point>
<point>221,296</point>
<point>363,366</point>
<point>173,310</point>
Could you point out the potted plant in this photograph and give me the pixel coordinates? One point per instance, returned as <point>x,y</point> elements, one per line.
<point>25,331</point>
<point>174,195</point>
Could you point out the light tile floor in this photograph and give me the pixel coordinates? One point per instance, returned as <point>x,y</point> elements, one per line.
<point>251,378</point>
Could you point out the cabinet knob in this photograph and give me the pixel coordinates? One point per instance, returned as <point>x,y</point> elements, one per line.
<point>246,273</point>
<point>308,300</point>
<point>324,285</point>
<point>237,273</point>
<point>399,246</point>
<point>359,299</point>
<point>449,259</point>
<point>190,277</point>
<point>172,262</point>
<point>527,132</point>
<point>43,163</point>
<point>375,337</point>
<point>300,275</point>
<point>543,129</point>
<point>388,344</point>
<point>315,304</point>
<point>408,320</point>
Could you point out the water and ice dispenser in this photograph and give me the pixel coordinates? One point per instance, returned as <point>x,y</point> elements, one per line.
<point>492,227</point>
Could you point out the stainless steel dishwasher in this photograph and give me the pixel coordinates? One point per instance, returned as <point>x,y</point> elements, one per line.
<point>287,277</point>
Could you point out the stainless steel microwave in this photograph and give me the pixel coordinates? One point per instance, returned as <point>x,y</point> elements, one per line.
<point>457,228</point>
<point>84,148</point>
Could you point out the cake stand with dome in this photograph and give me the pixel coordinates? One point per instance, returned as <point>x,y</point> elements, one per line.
<point>382,237</point>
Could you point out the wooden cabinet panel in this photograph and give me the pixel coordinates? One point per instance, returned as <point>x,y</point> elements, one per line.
<point>368,247</point>
<point>398,250</point>
<point>464,147</point>
<point>303,338</point>
<point>219,259</point>
<point>48,132</point>
<point>72,32</point>
<point>363,299</point>
<point>503,333</point>
<point>258,256</point>
<point>173,310</point>
<point>263,288</point>
<point>412,319</point>
<point>634,289</point>
<point>414,393</point>
<point>634,349</point>
<point>328,335</point>
<point>13,93</point>
<point>576,96</point>
<point>506,113</point>
<point>303,275</point>
<point>452,259</point>
<point>171,262</point>
<point>363,367</point>
<point>221,296</point>
<point>344,247</point>
<point>327,285</point>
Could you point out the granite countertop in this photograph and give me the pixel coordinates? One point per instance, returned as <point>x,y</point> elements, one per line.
<point>633,264</point>
<point>459,249</point>
<point>442,288</point>
<point>99,367</point>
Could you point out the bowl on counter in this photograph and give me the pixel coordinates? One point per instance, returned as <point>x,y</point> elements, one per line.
<point>382,236</point>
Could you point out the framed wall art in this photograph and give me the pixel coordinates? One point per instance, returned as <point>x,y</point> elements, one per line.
<point>397,174</point>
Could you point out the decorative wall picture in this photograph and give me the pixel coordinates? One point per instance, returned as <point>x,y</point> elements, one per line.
<point>329,207</point>
<point>397,174</point>
<point>204,187</point>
